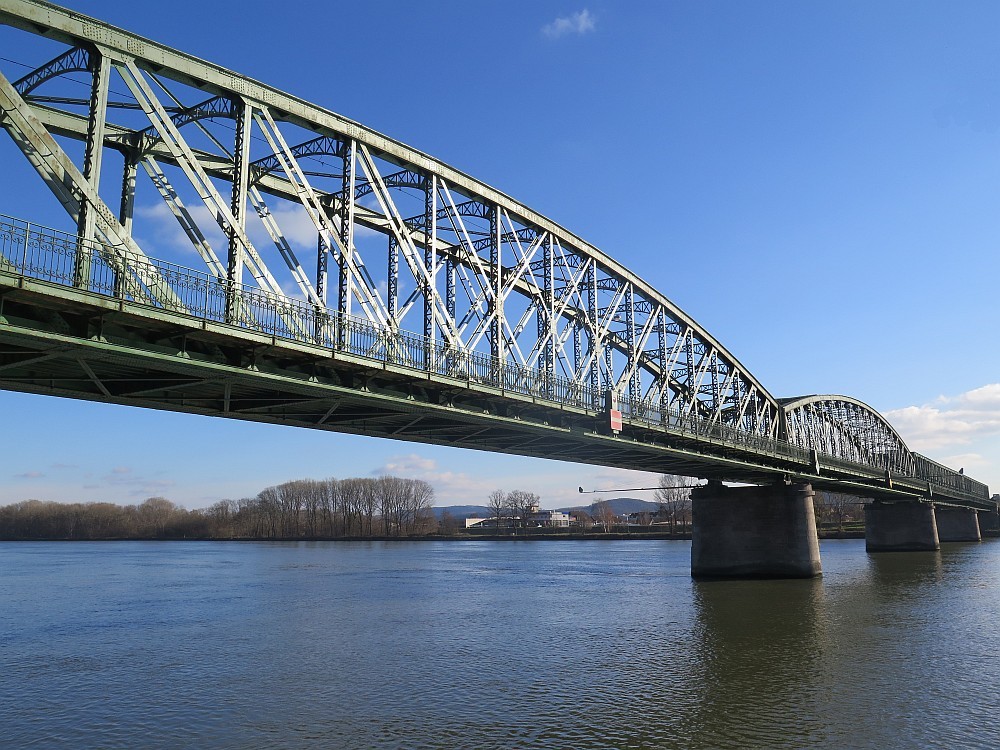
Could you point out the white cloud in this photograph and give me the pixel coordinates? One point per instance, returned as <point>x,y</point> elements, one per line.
<point>579,23</point>
<point>950,421</point>
<point>407,465</point>
<point>450,487</point>
<point>294,223</point>
<point>973,463</point>
<point>555,482</point>
<point>157,230</point>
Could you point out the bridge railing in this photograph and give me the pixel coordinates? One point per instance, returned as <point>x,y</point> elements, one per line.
<point>943,478</point>
<point>64,259</point>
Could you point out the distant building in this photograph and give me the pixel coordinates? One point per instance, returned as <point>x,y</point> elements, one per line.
<point>548,518</point>
<point>488,523</point>
<point>535,518</point>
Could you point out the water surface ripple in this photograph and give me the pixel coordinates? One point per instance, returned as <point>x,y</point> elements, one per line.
<point>491,645</point>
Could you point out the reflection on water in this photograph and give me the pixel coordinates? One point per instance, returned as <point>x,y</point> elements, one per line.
<point>759,643</point>
<point>491,645</point>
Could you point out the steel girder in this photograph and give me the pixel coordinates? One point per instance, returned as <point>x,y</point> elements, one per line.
<point>480,272</point>
<point>843,427</point>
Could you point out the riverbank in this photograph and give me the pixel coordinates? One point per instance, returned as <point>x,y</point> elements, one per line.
<point>520,536</point>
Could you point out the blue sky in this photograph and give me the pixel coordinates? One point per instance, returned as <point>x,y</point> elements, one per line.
<point>815,183</point>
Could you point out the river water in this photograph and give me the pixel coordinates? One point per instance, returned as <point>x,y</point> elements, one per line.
<point>491,645</point>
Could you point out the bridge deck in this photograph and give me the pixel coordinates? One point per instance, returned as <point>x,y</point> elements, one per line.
<point>100,343</point>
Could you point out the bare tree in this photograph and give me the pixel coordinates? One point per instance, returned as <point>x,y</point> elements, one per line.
<point>420,498</point>
<point>155,514</point>
<point>313,493</point>
<point>604,513</point>
<point>521,504</point>
<point>837,509</point>
<point>675,502</point>
<point>448,524</point>
<point>497,502</point>
<point>354,496</point>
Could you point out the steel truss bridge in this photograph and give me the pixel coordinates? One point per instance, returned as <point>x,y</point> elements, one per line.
<point>423,305</point>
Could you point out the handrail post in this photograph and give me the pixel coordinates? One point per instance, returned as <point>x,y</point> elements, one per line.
<point>24,249</point>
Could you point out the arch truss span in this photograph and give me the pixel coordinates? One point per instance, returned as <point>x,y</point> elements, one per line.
<point>303,218</point>
<point>845,428</point>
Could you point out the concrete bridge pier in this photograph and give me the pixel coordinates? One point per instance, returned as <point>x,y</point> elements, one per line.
<point>989,520</point>
<point>907,526</point>
<point>957,524</point>
<point>754,532</point>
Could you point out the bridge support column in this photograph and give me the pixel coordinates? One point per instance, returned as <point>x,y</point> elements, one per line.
<point>957,524</point>
<point>754,532</point>
<point>900,527</point>
<point>989,520</point>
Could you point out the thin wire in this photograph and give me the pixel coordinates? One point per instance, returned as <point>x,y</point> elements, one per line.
<point>643,489</point>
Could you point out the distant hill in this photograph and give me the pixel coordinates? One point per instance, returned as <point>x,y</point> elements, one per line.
<point>620,505</point>
<point>461,512</point>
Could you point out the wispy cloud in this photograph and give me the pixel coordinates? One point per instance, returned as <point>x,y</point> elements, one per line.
<point>950,421</point>
<point>579,23</point>
<point>29,475</point>
<point>122,479</point>
<point>450,487</point>
<point>407,465</point>
<point>555,482</point>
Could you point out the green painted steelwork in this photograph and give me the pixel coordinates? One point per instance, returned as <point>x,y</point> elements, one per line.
<point>104,341</point>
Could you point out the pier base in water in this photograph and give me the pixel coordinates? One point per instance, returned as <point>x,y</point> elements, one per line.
<point>989,520</point>
<point>754,532</point>
<point>957,524</point>
<point>900,527</point>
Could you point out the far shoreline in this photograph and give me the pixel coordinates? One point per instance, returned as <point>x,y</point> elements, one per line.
<point>569,537</point>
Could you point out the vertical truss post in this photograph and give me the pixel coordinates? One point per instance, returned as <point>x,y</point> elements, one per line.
<point>664,374</point>
<point>126,210</point>
<point>577,351</point>
<point>496,301</point>
<point>633,355</point>
<point>609,369</point>
<point>546,312</point>
<point>241,179</point>
<point>692,392</point>
<point>716,395</point>
<point>344,291</point>
<point>430,263</point>
<point>100,69</point>
<point>451,292</point>
<point>739,419</point>
<point>392,279</point>
<point>594,344</point>
<point>450,298</point>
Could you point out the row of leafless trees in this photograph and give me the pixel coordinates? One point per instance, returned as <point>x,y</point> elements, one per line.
<point>361,507</point>
<point>156,517</point>
<point>674,501</point>
<point>364,507</point>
